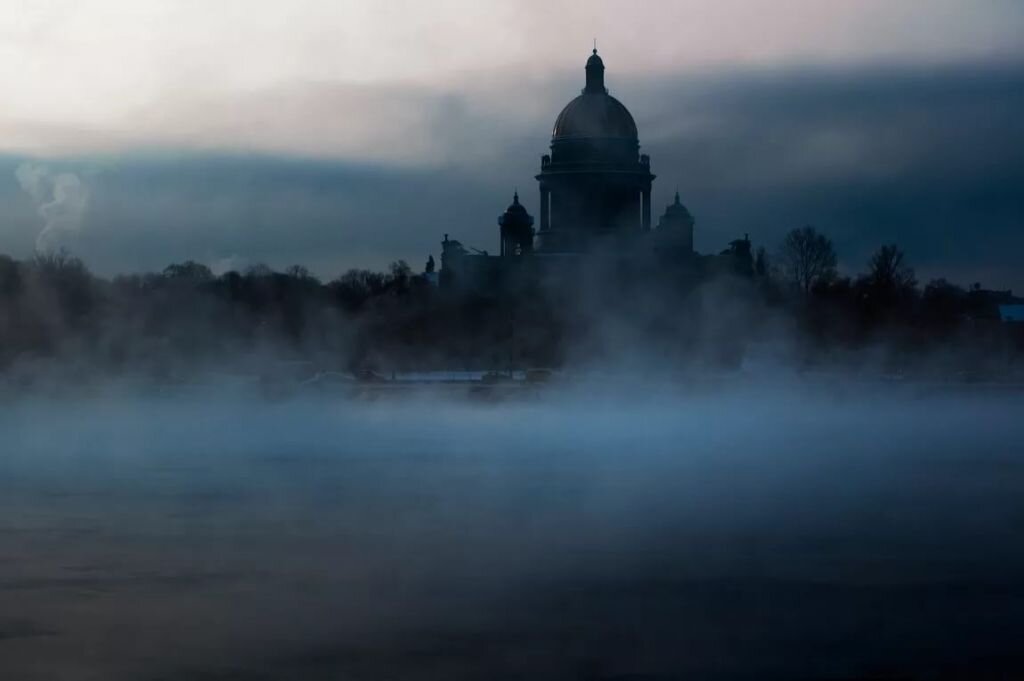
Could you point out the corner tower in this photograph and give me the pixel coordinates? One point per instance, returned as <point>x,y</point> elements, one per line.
<point>675,229</point>
<point>516,230</point>
<point>595,186</point>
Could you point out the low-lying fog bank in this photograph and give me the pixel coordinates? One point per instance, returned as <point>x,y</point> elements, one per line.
<point>779,531</point>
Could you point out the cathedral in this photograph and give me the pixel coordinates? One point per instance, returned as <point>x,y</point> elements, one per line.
<point>595,204</point>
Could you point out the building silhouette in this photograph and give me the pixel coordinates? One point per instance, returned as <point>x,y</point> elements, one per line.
<point>595,206</point>
<point>595,186</point>
<point>675,229</point>
<point>516,230</point>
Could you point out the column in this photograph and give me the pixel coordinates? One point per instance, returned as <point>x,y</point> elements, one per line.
<point>544,192</point>
<point>645,201</point>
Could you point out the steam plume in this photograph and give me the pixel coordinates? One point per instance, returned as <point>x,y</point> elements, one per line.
<point>61,199</point>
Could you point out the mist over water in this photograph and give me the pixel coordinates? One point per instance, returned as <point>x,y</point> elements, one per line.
<point>730,531</point>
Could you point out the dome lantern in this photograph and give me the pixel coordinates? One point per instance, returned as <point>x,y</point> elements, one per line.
<point>595,75</point>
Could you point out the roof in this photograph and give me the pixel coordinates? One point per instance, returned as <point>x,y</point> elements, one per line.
<point>594,114</point>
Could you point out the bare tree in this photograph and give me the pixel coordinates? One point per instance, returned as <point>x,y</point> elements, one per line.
<point>301,273</point>
<point>888,272</point>
<point>808,258</point>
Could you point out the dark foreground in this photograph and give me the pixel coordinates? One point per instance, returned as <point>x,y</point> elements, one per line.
<point>744,534</point>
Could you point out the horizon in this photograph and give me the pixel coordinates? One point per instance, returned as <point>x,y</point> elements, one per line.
<point>358,153</point>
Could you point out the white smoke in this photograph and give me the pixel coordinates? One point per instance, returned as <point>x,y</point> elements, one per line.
<point>61,199</point>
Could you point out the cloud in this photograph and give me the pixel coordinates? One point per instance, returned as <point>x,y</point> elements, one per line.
<point>95,66</point>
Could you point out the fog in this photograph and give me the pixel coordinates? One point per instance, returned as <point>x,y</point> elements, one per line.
<point>605,529</point>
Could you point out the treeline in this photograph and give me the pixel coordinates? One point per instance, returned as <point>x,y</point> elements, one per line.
<point>53,311</point>
<point>885,306</point>
<point>185,318</point>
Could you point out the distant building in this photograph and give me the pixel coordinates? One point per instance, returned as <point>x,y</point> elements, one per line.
<point>595,206</point>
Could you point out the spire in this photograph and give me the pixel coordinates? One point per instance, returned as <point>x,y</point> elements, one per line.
<point>677,197</point>
<point>595,73</point>
<point>515,197</point>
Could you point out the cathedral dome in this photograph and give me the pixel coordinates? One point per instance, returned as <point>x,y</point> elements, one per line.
<point>595,113</point>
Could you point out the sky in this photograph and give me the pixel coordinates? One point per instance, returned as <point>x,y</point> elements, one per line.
<point>338,134</point>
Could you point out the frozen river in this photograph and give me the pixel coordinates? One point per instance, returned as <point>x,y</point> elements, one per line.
<point>735,534</point>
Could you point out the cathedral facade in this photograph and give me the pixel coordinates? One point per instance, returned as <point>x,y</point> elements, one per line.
<point>595,201</point>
